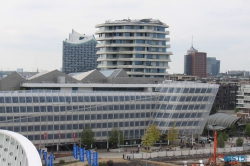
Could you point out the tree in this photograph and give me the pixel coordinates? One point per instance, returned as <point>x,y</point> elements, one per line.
<point>152,134</point>
<point>172,134</point>
<point>247,130</point>
<point>239,142</point>
<point>114,137</point>
<point>236,110</point>
<point>88,137</point>
<point>221,141</point>
<point>232,130</point>
<point>213,110</point>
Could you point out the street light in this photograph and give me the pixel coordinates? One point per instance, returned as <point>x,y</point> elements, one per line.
<point>69,153</point>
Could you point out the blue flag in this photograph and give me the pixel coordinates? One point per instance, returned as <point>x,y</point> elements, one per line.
<point>81,156</point>
<point>51,158</point>
<point>45,157</point>
<point>75,151</point>
<point>88,155</point>
<point>95,159</point>
<point>40,152</point>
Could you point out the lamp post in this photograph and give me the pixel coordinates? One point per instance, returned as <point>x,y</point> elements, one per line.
<point>69,153</point>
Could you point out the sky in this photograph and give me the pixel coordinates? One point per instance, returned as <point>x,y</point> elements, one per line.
<point>32,32</point>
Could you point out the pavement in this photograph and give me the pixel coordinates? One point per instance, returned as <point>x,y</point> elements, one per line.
<point>103,154</point>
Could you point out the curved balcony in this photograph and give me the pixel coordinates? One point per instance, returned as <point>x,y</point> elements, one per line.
<point>131,38</point>
<point>130,23</point>
<point>131,31</point>
<point>131,45</point>
<point>133,52</point>
<point>133,59</point>
<point>132,66</point>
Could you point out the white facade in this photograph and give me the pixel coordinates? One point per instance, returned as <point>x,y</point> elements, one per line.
<point>137,46</point>
<point>17,150</point>
<point>243,97</point>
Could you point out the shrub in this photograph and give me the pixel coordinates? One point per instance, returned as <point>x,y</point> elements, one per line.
<point>110,163</point>
<point>61,162</point>
<point>239,142</point>
<point>102,163</point>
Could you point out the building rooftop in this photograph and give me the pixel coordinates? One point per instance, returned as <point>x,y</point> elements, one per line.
<point>76,37</point>
<point>140,21</point>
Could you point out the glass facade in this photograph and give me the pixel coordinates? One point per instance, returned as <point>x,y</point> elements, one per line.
<point>33,113</point>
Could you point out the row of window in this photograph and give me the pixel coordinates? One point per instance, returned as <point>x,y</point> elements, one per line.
<point>50,118</point>
<point>177,124</point>
<point>184,90</point>
<point>62,127</point>
<point>178,115</point>
<point>127,134</point>
<point>50,99</point>
<point>23,109</point>
<point>30,109</point>
<point>184,98</point>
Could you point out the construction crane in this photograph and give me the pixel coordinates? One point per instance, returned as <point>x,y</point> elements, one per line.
<point>212,160</point>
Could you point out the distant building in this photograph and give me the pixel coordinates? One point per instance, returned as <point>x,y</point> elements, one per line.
<point>137,46</point>
<point>19,70</point>
<point>242,73</point>
<point>181,77</point>
<point>79,53</point>
<point>195,63</point>
<point>213,66</point>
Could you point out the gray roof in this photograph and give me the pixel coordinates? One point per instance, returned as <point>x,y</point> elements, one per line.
<point>221,121</point>
<point>114,73</point>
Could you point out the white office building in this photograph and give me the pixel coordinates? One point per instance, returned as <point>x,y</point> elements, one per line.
<point>137,46</point>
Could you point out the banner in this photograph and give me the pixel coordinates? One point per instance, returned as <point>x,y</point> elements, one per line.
<point>95,159</point>
<point>44,136</point>
<point>40,152</point>
<point>45,157</point>
<point>81,156</point>
<point>51,158</point>
<point>74,135</point>
<point>88,156</point>
<point>75,148</point>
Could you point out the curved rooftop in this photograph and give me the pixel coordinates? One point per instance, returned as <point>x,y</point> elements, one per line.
<point>221,121</point>
<point>76,37</point>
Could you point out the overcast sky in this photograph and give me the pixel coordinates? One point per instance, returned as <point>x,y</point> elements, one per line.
<point>31,32</point>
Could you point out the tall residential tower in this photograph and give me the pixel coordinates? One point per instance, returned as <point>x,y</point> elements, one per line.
<point>137,46</point>
<point>79,53</point>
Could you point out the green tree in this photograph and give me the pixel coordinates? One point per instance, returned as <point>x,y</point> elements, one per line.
<point>88,137</point>
<point>115,136</point>
<point>233,130</point>
<point>221,141</point>
<point>151,135</point>
<point>172,134</point>
<point>205,130</point>
<point>247,130</point>
<point>236,110</point>
<point>213,110</point>
<point>239,142</point>
<point>224,135</point>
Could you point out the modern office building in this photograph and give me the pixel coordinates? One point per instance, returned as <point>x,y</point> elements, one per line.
<point>79,53</point>
<point>195,63</point>
<point>65,105</point>
<point>243,98</point>
<point>137,46</point>
<point>213,66</point>
<point>226,96</point>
